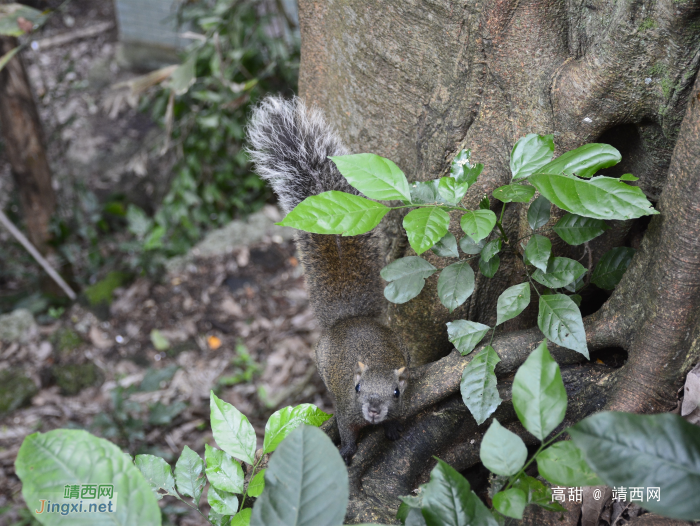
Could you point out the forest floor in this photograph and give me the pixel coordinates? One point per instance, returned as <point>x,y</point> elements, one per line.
<point>232,316</point>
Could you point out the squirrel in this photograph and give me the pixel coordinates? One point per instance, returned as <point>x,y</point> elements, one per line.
<point>361,361</point>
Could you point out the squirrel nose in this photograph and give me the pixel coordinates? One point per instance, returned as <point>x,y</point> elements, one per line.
<point>375,408</point>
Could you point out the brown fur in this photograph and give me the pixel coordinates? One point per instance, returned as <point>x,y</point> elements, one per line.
<point>362,351</point>
<point>342,276</point>
<point>290,146</point>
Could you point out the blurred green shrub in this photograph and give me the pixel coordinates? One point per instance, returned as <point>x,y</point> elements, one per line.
<point>241,50</point>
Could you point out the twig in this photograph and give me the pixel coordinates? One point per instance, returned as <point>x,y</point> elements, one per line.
<point>19,236</point>
<point>66,38</point>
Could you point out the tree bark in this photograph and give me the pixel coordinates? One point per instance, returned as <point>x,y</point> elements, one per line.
<point>418,81</point>
<point>24,144</point>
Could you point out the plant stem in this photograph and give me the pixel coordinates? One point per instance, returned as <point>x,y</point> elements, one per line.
<point>522,470</point>
<point>530,280</point>
<point>252,474</point>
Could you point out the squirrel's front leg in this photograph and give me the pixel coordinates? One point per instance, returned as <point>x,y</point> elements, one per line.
<point>348,440</point>
<point>393,429</point>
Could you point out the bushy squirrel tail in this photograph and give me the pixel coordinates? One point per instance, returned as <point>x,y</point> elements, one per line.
<point>290,145</point>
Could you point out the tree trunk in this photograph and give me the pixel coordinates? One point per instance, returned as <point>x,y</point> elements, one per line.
<point>418,81</point>
<point>24,144</point>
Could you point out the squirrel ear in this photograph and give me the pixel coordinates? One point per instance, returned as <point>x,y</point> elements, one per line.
<point>402,377</point>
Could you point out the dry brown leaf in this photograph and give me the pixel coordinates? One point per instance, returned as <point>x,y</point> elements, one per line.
<point>691,397</point>
<point>99,339</point>
<point>230,307</point>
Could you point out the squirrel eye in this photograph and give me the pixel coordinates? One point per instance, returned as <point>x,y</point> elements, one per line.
<point>397,393</point>
<point>357,388</point>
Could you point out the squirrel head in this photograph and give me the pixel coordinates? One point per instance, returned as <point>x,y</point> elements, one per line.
<point>379,392</point>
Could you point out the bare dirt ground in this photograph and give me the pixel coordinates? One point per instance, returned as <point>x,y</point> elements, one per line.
<point>233,316</point>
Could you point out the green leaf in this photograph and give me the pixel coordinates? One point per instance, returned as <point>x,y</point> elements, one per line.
<point>413,501</point>
<point>184,76</point>
<point>47,462</point>
<point>374,176</point>
<point>539,396</point>
<point>510,503</point>
<point>469,175</point>
<point>455,284</point>
<point>403,511</point>
<point>446,247</point>
<point>478,386</point>
<point>538,251</point>
<point>560,272</point>
<point>490,267</point>
<point>651,451</point>
<point>222,502</point>
<point>609,270</point>
<point>407,278</point>
<point>426,192</point>
<point>584,161</point>
<point>425,227</point>
<point>514,193</point>
<point>562,464</point>
<point>335,213</point>
<point>560,321</point>
<point>153,379</point>
<point>155,238</point>
<point>11,12</point>
<point>286,420</point>
<point>157,473</point>
<point>466,335</point>
<point>223,472</point>
<point>468,245</point>
<point>492,248</point>
<point>451,190</point>
<point>256,486</point>
<point>306,483</point>
<point>231,430</point>
<point>188,474</point>
<point>449,501</point>
<point>628,177</point>
<point>576,285</point>
<point>8,56</point>
<point>537,493</point>
<point>242,518</point>
<point>538,213</point>
<point>530,153</point>
<point>478,224</point>
<point>485,204</point>
<point>502,451</point>
<point>218,519</point>
<point>138,222</point>
<point>414,518</point>
<point>599,198</point>
<point>461,160</point>
<point>512,302</point>
<point>159,341</point>
<point>463,171</point>
<point>576,230</point>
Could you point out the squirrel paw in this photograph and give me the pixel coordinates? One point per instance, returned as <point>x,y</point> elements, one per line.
<point>392,430</point>
<point>347,451</point>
